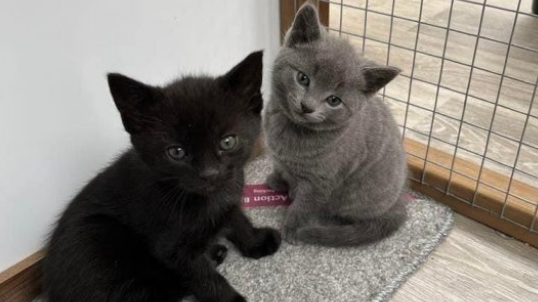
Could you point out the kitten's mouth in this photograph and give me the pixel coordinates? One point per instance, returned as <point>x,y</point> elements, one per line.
<point>204,190</point>
<point>296,114</point>
<point>305,118</point>
<point>207,188</point>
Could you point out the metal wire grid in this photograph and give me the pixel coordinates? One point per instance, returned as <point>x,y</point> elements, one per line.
<point>483,158</point>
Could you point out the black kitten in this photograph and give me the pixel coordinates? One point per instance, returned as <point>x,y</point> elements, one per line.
<point>142,230</point>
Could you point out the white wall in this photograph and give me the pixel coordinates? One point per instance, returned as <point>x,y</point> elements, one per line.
<point>58,124</point>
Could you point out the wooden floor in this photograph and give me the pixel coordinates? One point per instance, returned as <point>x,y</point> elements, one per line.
<point>475,263</point>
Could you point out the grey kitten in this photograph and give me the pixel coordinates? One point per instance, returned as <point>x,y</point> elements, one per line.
<point>336,146</point>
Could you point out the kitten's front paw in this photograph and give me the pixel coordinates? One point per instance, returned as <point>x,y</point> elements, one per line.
<point>217,253</point>
<point>292,193</point>
<point>234,298</point>
<point>275,182</point>
<point>290,235</point>
<point>268,241</point>
<point>239,299</point>
<point>292,223</point>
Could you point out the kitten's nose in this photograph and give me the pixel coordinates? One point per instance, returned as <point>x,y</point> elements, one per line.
<point>209,174</point>
<point>306,109</point>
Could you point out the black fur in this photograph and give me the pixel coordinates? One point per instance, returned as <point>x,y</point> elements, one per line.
<point>143,229</point>
<point>217,253</point>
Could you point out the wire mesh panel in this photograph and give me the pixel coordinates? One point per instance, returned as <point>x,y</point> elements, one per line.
<point>466,99</point>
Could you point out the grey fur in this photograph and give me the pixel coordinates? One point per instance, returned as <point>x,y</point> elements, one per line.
<point>344,166</point>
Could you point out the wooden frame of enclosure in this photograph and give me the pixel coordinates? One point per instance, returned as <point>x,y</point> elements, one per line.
<point>431,177</point>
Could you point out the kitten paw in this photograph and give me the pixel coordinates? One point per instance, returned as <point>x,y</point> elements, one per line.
<point>234,298</point>
<point>268,241</point>
<point>275,182</point>
<point>292,193</point>
<point>290,235</point>
<point>239,299</point>
<point>292,224</point>
<point>217,253</point>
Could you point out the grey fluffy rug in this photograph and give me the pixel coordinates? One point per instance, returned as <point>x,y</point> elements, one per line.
<point>315,274</point>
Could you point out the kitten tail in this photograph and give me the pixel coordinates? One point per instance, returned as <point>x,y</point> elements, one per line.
<point>361,232</point>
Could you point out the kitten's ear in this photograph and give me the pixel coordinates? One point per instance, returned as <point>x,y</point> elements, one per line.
<point>132,99</point>
<point>306,27</point>
<point>245,79</point>
<point>378,76</point>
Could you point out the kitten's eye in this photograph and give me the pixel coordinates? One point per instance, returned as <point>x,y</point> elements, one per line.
<point>228,143</point>
<point>176,153</point>
<point>303,79</point>
<point>334,101</point>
